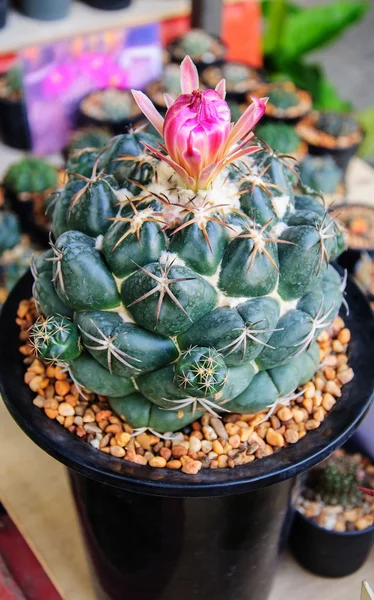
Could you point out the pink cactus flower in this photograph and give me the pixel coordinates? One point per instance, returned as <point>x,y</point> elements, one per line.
<point>198,135</point>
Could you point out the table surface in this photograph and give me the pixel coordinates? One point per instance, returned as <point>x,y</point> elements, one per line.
<point>35,491</point>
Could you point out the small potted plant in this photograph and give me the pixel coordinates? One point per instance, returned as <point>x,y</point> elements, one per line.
<point>14,125</point>
<point>45,10</point>
<point>112,108</point>
<point>240,79</point>
<point>172,336</point>
<point>203,48</point>
<point>109,4</point>
<point>333,530</point>
<point>282,138</point>
<point>286,102</point>
<point>322,174</point>
<point>169,83</point>
<point>87,137</point>
<point>337,134</point>
<point>27,185</point>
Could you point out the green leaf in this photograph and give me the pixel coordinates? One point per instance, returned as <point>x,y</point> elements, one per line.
<point>317,26</point>
<point>366,118</point>
<point>274,13</point>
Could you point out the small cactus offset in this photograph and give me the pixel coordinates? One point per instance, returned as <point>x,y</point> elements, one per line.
<point>321,173</point>
<point>30,176</point>
<point>56,339</point>
<point>88,137</point>
<point>195,277</point>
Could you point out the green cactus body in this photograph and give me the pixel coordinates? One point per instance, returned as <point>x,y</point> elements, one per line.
<point>30,176</point>
<point>82,279</point>
<point>10,231</point>
<point>63,199</point>
<point>81,162</point>
<point>188,297</point>
<point>93,206</point>
<point>44,290</point>
<point>56,339</point>
<point>123,348</point>
<point>134,238</point>
<point>187,301</point>
<point>88,137</point>
<point>86,371</point>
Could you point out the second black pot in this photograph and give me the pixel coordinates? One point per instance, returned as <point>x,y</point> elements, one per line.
<point>3,12</point>
<point>14,125</point>
<point>329,553</point>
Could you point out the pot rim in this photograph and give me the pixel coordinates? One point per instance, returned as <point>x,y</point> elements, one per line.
<point>287,463</point>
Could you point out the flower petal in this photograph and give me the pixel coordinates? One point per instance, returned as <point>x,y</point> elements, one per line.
<point>221,88</point>
<point>169,101</point>
<point>149,110</point>
<point>189,180</point>
<point>247,121</point>
<point>189,76</point>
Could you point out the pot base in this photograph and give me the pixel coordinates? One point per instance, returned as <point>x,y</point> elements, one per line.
<point>159,548</point>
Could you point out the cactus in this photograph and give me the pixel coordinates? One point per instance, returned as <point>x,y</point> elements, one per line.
<point>14,82</point>
<point>171,79</point>
<point>55,339</point>
<point>88,137</point>
<point>283,98</point>
<point>196,42</point>
<point>279,136</point>
<point>10,231</point>
<point>198,282</point>
<point>30,176</point>
<point>336,124</point>
<point>321,173</point>
<point>336,481</point>
<point>111,105</point>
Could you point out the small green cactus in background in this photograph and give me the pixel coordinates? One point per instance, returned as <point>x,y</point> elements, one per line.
<point>336,481</point>
<point>336,124</point>
<point>279,136</point>
<point>321,173</point>
<point>235,72</point>
<point>116,105</point>
<point>10,231</point>
<point>30,176</point>
<point>55,339</point>
<point>282,98</point>
<point>88,137</point>
<point>171,78</point>
<point>196,42</point>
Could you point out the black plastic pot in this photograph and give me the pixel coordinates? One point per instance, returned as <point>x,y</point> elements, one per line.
<point>3,12</point>
<point>14,125</point>
<point>156,534</point>
<point>109,4</point>
<point>45,10</point>
<point>329,553</point>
